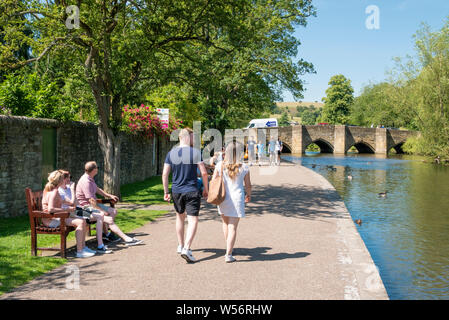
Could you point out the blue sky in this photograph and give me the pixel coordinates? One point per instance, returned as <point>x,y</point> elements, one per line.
<point>337,40</point>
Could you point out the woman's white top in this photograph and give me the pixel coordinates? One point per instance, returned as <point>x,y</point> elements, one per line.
<point>66,195</point>
<point>234,203</point>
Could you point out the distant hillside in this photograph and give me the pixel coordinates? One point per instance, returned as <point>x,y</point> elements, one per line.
<point>295,104</point>
<point>291,106</point>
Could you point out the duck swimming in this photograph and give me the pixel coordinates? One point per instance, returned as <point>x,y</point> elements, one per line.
<point>382,194</point>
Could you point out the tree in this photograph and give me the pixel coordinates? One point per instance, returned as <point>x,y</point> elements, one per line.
<point>423,90</point>
<point>234,56</point>
<point>309,117</point>
<point>375,106</point>
<point>338,100</point>
<point>284,120</point>
<point>28,94</point>
<point>240,77</point>
<point>275,109</point>
<point>178,99</point>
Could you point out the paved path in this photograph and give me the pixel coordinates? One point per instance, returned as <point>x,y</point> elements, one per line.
<point>297,242</point>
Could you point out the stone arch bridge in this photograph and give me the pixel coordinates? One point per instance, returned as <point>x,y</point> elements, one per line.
<point>336,139</point>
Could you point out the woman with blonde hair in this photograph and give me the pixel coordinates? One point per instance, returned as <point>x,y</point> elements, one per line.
<point>236,178</point>
<point>52,202</point>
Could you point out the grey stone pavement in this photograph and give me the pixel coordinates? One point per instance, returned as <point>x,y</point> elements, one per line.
<point>298,241</point>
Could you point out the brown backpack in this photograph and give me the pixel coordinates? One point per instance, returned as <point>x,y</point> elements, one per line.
<point>217,190</point>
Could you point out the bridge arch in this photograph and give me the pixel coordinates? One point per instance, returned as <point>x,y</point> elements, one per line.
<point>398,148</point>
<point>325,146</point>
<point>286,148</point>
<point>363,147</point>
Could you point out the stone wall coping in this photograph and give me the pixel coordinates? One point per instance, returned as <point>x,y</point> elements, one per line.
<point>42,122</point>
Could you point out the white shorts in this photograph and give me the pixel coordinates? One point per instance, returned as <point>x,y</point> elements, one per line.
<point>54,223</point>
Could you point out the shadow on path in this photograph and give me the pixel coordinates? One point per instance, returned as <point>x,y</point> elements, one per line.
<point>253,254</point>
<point>58,279</point>
<point>295,201</point>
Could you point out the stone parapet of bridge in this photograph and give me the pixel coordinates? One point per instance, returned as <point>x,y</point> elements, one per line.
<point>337,139</point>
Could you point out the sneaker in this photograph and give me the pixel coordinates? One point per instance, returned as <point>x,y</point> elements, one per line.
<point>187,255</point>
<point>179,250</point>
<point>84,254</point>
<point>229,258</point>
<point>133,242</point>
<point>103,250</point>
<point>87,249</point>
<point>111,237</point>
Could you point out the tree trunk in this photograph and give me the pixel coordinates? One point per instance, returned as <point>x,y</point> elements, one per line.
<point>110,146</point>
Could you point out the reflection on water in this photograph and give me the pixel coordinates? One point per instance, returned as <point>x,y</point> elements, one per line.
<point>407,232</point>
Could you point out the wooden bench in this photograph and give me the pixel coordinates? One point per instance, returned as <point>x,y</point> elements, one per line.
<point>35,213</point>
<point>34,202</point>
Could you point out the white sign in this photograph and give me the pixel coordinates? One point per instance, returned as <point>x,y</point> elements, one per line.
<point>163,115</point>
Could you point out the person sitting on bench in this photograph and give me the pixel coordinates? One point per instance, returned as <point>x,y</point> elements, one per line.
<point>52,202</point>
<point>86,191</point>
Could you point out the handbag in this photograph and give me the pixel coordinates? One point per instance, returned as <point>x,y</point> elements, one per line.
<point>217,190</point>
<point>84,213</point>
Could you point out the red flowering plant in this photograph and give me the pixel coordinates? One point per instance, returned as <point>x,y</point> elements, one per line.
<point>144,121</point>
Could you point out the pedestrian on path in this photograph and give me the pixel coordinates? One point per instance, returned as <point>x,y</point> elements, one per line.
<point>260,152</point>
<point>278,149</point>
<point>251,146</point>
<point>272,151</point>
<point>183,161</point>
<point>236,178</point>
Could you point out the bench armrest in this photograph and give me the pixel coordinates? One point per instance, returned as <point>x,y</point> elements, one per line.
<point>112,202</point>
<point>42,214</point>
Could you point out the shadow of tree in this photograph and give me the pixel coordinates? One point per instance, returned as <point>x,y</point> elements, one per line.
<point>293,201</point>
<point>57,279</point>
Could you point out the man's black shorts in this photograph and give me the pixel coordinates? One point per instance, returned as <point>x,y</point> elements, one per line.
<point>189,202</point>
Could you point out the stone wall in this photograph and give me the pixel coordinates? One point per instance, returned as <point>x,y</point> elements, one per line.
<point>21,159</point>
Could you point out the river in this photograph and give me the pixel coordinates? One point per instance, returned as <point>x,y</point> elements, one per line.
<point>406,232</point>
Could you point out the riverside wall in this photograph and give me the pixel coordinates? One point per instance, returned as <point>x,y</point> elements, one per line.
<point>31,148</point>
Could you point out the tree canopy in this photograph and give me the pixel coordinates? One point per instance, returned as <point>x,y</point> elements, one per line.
<point>338,100</point>
<point>231,58</point>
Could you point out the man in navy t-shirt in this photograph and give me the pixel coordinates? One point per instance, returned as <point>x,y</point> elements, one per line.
<point>183,161</point>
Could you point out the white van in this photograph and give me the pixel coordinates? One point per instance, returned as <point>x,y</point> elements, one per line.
<point>263,123</point>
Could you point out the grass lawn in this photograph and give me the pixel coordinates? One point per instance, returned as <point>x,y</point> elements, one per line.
<point>149,191</point>
<point>17,266</point>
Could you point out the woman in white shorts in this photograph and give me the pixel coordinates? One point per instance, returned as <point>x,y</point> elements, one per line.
<point>52,202</point>
<point>236,178</point>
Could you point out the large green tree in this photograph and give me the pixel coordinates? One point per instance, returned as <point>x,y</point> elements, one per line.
<point>234,55</point>
<point>376,106</point>
<point>240,76</point>
<point>338,100</point>
<point>423,90</point>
